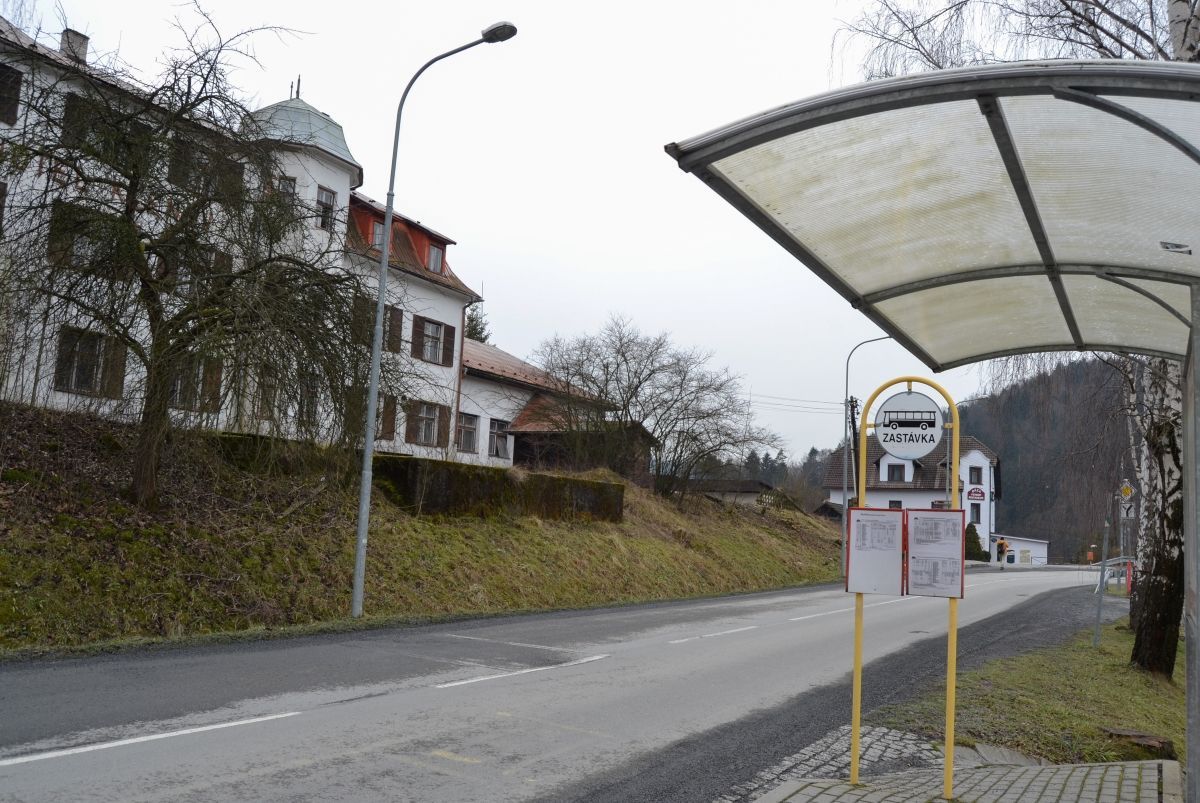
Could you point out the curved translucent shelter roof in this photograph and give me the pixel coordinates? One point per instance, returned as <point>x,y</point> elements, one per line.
<point>987,211</point>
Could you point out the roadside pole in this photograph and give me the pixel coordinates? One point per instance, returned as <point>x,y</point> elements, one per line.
<point>1100,592</point>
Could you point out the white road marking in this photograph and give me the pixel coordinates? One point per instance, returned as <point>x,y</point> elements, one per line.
<point>587,660</point>
<point>510,643</point>
<point>711,635</point>
<point>7,762</point>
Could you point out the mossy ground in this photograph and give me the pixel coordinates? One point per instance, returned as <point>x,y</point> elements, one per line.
<point>1054,703</point>
<point>234,548</point>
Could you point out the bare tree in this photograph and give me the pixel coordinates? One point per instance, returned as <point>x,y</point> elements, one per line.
<point>906,36</point>
<point>620,385</point>
<point>148,218</point>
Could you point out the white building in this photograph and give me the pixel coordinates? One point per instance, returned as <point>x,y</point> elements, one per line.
<point>922,484</point>
<point>457,398</point>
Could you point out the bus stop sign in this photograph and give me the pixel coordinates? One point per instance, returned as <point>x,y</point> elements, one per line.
<point>909,425</point>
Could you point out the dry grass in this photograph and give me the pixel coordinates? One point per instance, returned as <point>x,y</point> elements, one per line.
<point>233,549</point>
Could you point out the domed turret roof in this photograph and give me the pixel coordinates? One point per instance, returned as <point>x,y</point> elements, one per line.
<point>296,122</point>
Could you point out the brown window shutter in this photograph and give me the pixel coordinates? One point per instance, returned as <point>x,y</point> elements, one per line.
<point>395,323</point>
<point>447,344</point>
<point>10,94</point>
<point>418,336</point>
<point>68,340</point>
<point>443,435</point>
<point>410,421</point>
<point>114,368</point>
<point>210,398</point>
<point>361,320</point>
<point>387,424</point>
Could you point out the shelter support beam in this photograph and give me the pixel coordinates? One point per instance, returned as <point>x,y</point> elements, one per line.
<point>990,106</point>
<point>1191,571</point>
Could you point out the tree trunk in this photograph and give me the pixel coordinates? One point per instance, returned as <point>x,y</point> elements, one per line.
<point>152,429</point>
<point>1160,582</point>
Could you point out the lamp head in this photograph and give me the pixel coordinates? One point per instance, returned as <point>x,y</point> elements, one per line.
<point>499,32</point>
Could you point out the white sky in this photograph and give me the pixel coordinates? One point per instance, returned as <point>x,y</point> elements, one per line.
<point>543,158</point>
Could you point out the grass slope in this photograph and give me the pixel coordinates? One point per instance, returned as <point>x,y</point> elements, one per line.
<point>235,549</point>
<point>1053,703</point>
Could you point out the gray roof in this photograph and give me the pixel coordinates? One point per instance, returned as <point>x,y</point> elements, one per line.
<point>295,122</point>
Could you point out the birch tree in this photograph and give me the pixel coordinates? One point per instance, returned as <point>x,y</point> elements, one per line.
<point>904,36</point>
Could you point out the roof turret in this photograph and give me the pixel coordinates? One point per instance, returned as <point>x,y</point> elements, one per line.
<point>295,122</point>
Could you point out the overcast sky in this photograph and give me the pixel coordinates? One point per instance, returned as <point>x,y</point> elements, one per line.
<point>543,158</point>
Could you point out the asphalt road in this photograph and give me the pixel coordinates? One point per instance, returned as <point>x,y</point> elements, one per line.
<point>663,702</point>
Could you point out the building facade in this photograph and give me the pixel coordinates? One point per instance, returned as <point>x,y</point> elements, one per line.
<point>922,484</point>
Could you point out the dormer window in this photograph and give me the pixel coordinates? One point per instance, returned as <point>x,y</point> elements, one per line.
<point>895,472</point>
<point>436,256</point>
<point>377,234</point>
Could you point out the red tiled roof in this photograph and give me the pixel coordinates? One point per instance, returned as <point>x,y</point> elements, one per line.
<point>929,473</point>
<point>403,254</point>
<point>484,359</point>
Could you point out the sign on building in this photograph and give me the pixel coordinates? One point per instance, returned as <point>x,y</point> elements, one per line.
<point>909,425</point>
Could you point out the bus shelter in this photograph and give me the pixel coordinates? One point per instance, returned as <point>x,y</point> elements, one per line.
<point>993,211</point>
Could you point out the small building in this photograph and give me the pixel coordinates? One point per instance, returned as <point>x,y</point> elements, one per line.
<point>1021,551</point>
<point>922,484</point>
<point>734,492</point>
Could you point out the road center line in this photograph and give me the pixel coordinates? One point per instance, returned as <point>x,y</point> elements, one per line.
<point>510,643</point>
<point>8,762</point>
<point>587,660</point>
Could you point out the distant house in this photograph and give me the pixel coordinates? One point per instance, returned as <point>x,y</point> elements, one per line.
<point>543,426</point>
<point>922,484</point>
<point>733,492</point>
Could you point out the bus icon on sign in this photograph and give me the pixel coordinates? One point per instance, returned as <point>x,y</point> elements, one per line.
<point>909,419</point>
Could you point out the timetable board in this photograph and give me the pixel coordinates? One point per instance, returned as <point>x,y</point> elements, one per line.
<point>875,551</point>
<point>936,552</point>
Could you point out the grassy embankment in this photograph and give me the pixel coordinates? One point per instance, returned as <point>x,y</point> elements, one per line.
<point>233,549</point>
<point>1054,703</point>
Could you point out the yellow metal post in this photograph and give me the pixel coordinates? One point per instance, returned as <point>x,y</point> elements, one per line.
<point>952,635</point>
<point>856,694</point>
<point>951,672</point>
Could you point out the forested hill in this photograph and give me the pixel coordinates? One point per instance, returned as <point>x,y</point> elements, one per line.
<point>1061,438</point>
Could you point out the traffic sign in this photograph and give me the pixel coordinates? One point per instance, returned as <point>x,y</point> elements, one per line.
<point>1127,510</point>
<point>909,425</point>
<point>1126,489</point>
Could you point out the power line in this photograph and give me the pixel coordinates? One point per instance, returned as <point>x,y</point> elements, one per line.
<point>794,399</point>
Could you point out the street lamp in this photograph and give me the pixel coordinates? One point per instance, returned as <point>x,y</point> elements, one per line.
<point>846,448</point>
<point>498,32</point>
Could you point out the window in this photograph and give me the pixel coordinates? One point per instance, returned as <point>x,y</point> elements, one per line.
<point>895,504</point>
<point>975,513</point>
<point>432,341</point>
<point>377,234</point>
<point>363,324</point>
<point>895,472</point>
<point>498,439</point>
<point>3,204</point>
<point>286,185</point>
<point>436,256</point>
<point>975,475</point>
<point>10,94</point>
<point>196,385</point>
<point>89,363</point>
<point>307,403</point>
<point>326,201</point>
<point>425,424</point>
<point>432,350</point>
<point>467,438</point>
<point>267,397</point>
<point>85,240</point>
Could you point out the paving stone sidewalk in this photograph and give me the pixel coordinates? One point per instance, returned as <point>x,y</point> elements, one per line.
<point>1124,782</point>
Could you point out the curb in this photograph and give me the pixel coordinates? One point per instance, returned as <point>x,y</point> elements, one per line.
<point>1172,783</point>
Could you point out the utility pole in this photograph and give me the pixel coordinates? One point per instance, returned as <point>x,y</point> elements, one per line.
<point>860,493</point>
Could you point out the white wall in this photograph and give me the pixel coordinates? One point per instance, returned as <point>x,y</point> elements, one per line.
<point>488,400</point>
<point>1025,551</point>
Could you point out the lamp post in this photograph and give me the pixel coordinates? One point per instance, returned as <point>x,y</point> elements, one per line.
<point>846,447</point>
<point>499,32</point>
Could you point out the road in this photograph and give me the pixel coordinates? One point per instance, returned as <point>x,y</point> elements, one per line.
<point>655,702</point>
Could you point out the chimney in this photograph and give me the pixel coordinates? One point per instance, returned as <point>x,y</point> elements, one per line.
<point>74,45</point>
